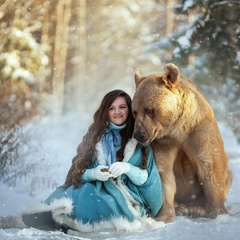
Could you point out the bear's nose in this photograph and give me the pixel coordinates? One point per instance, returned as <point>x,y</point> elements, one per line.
<point>139,136</point>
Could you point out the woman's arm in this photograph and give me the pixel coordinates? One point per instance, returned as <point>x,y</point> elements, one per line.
<point>137,175</point>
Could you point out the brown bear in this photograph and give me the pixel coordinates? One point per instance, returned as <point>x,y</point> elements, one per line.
<point>173,116</point>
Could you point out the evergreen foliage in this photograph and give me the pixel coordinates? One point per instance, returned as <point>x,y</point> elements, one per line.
<point>208,49</point>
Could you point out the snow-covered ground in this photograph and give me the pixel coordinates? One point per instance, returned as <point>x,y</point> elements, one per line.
<point>58,140</point>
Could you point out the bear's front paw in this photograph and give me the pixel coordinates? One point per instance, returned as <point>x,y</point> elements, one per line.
<point>166,216</point>
<point>214,213</point>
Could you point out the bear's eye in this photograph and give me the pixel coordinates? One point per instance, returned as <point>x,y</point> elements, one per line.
<point>134,114</point>
<point>150,112</point>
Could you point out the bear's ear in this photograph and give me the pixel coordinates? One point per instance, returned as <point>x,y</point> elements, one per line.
<point>138,79</point>
<point>172,73</point>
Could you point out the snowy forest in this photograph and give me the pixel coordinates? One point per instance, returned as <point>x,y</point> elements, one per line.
<point>58,59</point>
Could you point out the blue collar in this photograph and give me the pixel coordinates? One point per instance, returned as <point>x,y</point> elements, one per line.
<point>113,126</point>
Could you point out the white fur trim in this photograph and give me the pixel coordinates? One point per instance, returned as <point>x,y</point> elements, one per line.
<point>101,156</point>
<point>130,149</point>
<point>116,226</point>
<point>133,205</point>
<point>63,205</point>
<point>62,208</point>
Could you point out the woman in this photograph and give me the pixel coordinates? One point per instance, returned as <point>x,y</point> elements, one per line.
<point>111,177</point>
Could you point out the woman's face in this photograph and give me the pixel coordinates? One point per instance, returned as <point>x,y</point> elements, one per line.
<point>118,111</point>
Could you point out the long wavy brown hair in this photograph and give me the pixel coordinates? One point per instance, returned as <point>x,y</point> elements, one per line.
<point>86,150</point>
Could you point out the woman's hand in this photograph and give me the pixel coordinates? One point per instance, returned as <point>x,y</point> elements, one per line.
<point>119,168</point>
<point>99,173</point>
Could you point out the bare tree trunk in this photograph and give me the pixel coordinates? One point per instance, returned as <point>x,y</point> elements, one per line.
<point>170,17</point>
<point>45,35</point>
<point>80,92</point>
<point>60,52</point>
<point>46,22</point>
<point>191,58</point>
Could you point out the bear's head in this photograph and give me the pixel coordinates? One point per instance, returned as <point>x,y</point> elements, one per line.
<point>156,104</point>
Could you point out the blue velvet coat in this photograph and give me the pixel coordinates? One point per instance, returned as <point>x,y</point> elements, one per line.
<point>95,201</point>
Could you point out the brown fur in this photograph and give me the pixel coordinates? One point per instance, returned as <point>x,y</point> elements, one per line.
<point>172,114</point>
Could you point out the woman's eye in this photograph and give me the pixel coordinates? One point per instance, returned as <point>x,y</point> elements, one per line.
<point>122,107</point>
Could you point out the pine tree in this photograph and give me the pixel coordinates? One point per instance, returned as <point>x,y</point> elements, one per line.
<point>210,44</point>
<point>214,36</point>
